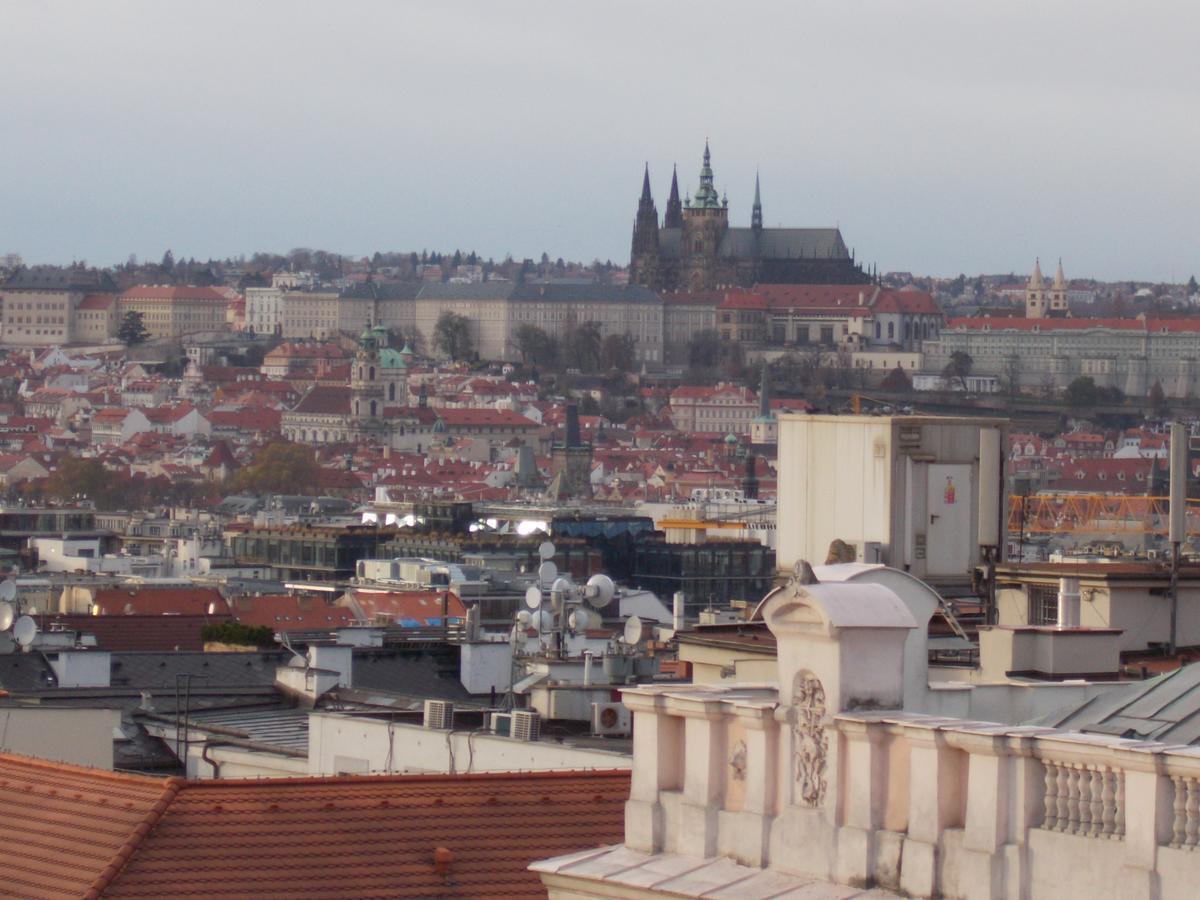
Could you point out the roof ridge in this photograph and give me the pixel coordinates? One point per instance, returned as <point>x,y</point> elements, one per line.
<point>242,783</point>
<point>116,865</point>
<point>90,771</point>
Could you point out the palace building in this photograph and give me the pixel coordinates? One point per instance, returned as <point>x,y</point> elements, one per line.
<point>696,249</point>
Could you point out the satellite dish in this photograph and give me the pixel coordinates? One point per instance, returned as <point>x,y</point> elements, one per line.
<point>546,549</point>
<point>580,619</point>
<point>8,590</point>
<point>533,597</point>
<point>7,613</point>
<point>25,630</point>
<point>633,630</point>
<point>547,572</point>
<point>559,591</point>
<point>600,591</point>
<point>525,615</point>
<point>541,621</point>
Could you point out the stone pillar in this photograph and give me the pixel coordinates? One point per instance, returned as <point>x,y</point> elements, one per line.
<point>1148,818</point>
<point>752,844</point>
<point>658,753</point>
<point>986,828</point>
<point>862,801</point>
<point>704,763</point>
<point>932,789</point>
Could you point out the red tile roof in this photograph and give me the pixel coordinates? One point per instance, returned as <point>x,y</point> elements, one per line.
<point>83,832</point>
<point>96,301</point>
<point>470,418</point>
<point>325,400</point>
<point>160,601</point>
<point>284,612</point>
<point>1175,326</point>
<point>416,605</point>
<point>173,292</point>
<point>137,632</point>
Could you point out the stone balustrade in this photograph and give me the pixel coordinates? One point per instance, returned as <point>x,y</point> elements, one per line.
<point>1185,825</point>
<point>1085,799</point>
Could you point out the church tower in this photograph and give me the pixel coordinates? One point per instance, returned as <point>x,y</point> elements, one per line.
<point>643,257</point>
<point>1058,293</point>
<point>756,212</point>
<point>705,221</point>
<point>1035,294</point>
<point>674,216</point>
<point>366,385</point>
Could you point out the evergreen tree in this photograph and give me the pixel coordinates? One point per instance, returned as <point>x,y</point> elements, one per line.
<point>132,329</point>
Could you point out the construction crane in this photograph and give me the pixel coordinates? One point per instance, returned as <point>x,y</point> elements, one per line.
<point>1061,513</point>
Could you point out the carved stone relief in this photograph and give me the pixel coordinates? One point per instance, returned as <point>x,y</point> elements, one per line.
<point>809,741</point>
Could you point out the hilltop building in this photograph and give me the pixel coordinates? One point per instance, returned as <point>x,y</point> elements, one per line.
<point>1042,301</point>
<point>696,249</point>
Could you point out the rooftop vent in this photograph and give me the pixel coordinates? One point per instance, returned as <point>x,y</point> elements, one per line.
<point>439,714</point>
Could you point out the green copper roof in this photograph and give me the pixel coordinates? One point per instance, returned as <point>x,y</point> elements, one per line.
<point>392,359</point>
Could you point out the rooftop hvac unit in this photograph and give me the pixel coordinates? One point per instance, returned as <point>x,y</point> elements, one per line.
<point>526,725</point>
<point>610,719</point>
<point>500,724</point>
<point>439,714</point>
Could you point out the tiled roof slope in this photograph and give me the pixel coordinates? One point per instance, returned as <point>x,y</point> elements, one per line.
<point>68,827</point>
<point>83,832</point>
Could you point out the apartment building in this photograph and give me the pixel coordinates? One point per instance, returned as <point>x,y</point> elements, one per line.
<point>310,314</point>
<point>264,310</point>
<point>96,318</point>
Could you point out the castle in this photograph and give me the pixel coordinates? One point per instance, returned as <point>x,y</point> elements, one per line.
<point>695,249</point>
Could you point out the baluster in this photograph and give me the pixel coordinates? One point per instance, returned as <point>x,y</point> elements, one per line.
<point>1097,792</point>
<point>1119,810</point>
<point>1085,799</point>
<point>1110,802</point>
<point>1179,807</point>
<point>1051,795</point>
<point>1192,827</point>
<point>1072,799</point>
<point>1062,821</point>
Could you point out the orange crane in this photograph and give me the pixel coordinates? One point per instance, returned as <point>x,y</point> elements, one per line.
<point>1061,513</point>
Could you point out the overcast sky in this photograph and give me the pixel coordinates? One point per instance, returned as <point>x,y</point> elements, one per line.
<point>941,136</point>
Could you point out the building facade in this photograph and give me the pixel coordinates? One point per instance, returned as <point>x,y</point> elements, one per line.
<point>696,249</point>
<point>40,304</point>
<point>172,311</point>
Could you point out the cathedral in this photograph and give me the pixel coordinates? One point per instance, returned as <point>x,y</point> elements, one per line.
<point>695,249</point>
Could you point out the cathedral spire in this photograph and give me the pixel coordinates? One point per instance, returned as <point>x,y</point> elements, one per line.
<point>706,195</point>
<point>1060,280</point>
<point>756,214</point>
<point>1036,280</point>
<point>674,217</point>
<point>646,186</point>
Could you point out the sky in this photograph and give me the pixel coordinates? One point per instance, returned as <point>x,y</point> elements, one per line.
<point>942,137</point>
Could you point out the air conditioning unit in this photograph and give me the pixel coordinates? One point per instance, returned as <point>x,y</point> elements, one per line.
<point>500,724</point>
<point>526,725</point>
<point>610,719</point>
<point>439,714</point>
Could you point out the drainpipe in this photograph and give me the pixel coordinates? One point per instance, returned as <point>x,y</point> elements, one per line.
<point>587,668</point>
<point>678,612</point>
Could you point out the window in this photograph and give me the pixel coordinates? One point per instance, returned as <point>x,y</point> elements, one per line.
<point>1043,604</point>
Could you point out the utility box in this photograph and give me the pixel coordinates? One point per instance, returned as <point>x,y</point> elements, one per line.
<point>918,493</point>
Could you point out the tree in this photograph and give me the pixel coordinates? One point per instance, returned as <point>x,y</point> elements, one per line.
<point>452,336</point>
<point>1012,375</point>
<point>618,351</point>
<point>958,368</point>
<point>1082,393</point>
<point>896,381</point>
<point>536,346</point>
<point>168,262</point>
<point>1192,286</point>
<point>280,467</point>
<point>132,329</point>
<point>704,350</point>
<point>582,346</point>
<point>1157,400</point>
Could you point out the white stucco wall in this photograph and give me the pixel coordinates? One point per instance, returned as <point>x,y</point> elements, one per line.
<point>83,737</point>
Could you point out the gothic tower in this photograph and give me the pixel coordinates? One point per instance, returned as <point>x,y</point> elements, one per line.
<point>643,258</point>
<point>1035,294</point>
<point>674,216</point>
<point>705,221</point>
<point>756,213</point>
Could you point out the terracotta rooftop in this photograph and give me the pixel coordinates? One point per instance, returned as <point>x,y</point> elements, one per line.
<point>83,832</point>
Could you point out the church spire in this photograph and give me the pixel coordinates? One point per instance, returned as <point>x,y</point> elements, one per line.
<point>674,216</point>
<point>756,214</point>
<point>646,197</point>
<point>1060,280</point>
<point>706,194</point>
<point>1036,280</point>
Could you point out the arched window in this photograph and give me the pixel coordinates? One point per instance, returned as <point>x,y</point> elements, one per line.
<point>392,391</point>
<point>891,330</point>
<point>371,374</point>
<point>372,409</point>
<point>360,373</point>
<point>356,407</point>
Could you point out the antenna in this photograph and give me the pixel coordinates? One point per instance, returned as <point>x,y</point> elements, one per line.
<point>547,572</point>
<point>298,659</point>
<point>633,631</point>
<point>560,592</point>
<point>533,597</point>
<point>599,591</point>
<point>546,550</point>
<point>8,590</point>
<point>25,630</point>
<point>7,613</point>
<point>524,616</point>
